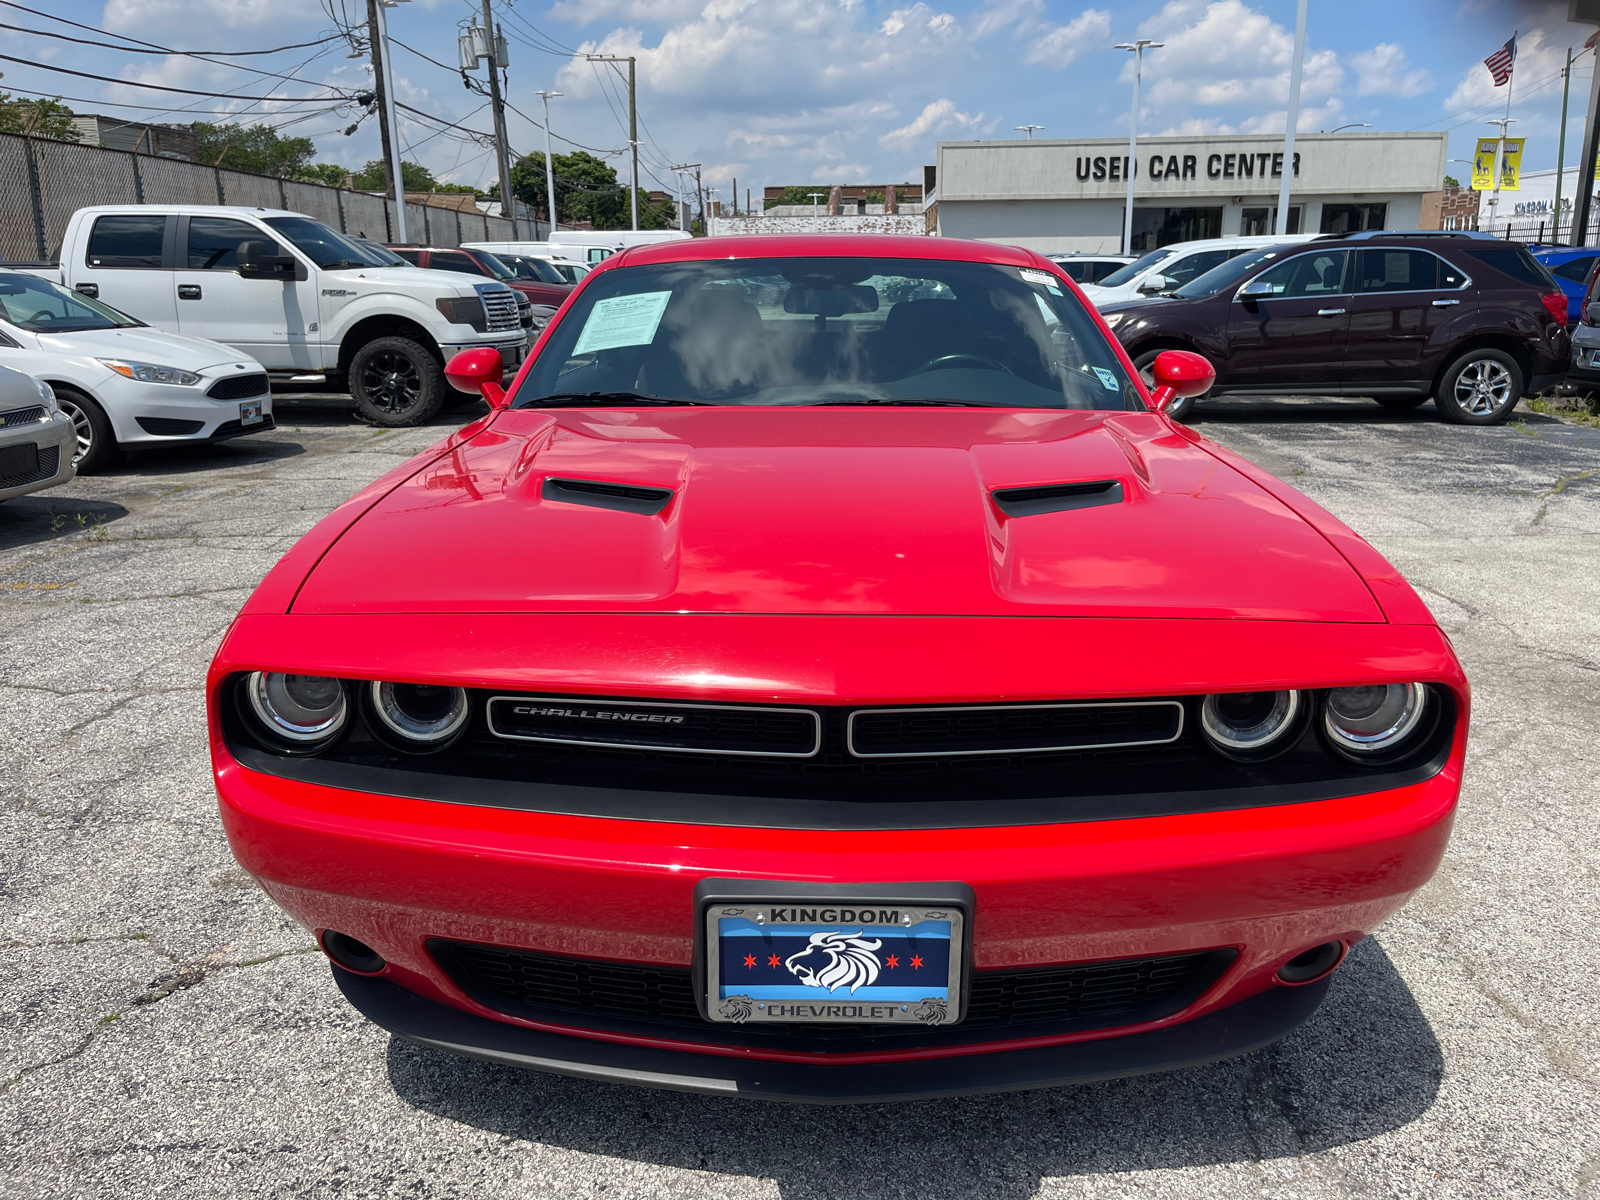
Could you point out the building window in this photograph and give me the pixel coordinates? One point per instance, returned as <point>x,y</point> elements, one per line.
<point>1352,218</point>
<point>1154,227</point>
<point>1263,222</point>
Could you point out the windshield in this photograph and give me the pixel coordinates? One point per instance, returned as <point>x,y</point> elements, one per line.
<point>1136,268</point>
<point>532,270</point>
<point>327,248</point>
<point>41,307</point>
<point>1235,269</point>
<point>809,331</point>
<point>570,272</point>
<point>493,265</point>
<point>384,255</point>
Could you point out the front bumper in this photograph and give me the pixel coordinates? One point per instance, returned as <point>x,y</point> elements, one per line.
<point>512,350</point>
<point>1225,1033</point>
<point>55,443</point>
<point>153,414</point>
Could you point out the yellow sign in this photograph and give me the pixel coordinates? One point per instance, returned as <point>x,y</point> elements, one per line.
<point>1510,165</point>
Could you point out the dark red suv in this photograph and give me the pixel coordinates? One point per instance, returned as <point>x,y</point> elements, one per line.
<point>1474,322</point>
<point>481,262</point>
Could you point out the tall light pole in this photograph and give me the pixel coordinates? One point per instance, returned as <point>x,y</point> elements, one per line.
<point>1027,129</point>
<point>1499,161</point>
<point>1138,48</point>
<point>816,221</point>
<point>1291,119</point>
<point>378,26</point>
<point>549,169</point>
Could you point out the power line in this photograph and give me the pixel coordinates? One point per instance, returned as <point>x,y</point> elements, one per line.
<point>160,87</point>
<point>154,49</point>
<point>328,106</point>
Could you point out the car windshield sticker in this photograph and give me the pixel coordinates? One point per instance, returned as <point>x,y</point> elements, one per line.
<point>622,321</point>
<point>1107,379</point>
<point>1029,275</point>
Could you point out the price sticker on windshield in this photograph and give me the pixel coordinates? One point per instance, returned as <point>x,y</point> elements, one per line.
<point>1043,278</point>
<point>622,321</point>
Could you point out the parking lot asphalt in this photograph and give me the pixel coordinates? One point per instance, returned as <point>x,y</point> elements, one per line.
<point>166,1031</point>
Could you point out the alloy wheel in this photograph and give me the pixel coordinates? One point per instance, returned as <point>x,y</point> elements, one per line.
<point>80,426</point>
<point>1482,387</point>
<point>392,382</point>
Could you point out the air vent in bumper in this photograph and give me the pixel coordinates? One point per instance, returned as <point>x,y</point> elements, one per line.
<point>1012,728</point>
<point>1056,497</point>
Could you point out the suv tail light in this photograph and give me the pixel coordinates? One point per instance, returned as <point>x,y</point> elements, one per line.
<point>1556,302</point>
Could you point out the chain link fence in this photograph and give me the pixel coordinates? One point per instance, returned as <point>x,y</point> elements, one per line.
<point>43,182</point>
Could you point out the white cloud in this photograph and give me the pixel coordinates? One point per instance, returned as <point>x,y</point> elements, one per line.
<point>1536,59</point>
<point>153,19</point>
<point>659,12</point>
<point>937,117</point>
<point>1384,71</point>
<point>1046,44</point>
<point>841,171</point>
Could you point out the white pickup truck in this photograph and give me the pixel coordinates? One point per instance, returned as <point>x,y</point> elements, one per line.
<point>302,299</point>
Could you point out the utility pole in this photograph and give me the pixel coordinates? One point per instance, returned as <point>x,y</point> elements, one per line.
<point>499,57</point>
<point>549,169</point>
<point>383,85</point>
<point>695,167</point>
<point>1499,159</point>
<point>1138,48</point>
<point>633,123</point>
<point>1291,119</point>
<point>1561,148</point>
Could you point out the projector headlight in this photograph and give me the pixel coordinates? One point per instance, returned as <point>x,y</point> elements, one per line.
<point>1252,725</point>
<point>1374,721</point>
<point>306,711</point>
<point>418,716</point>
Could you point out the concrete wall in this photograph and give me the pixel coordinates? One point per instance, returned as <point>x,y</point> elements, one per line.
<point>905,223</point>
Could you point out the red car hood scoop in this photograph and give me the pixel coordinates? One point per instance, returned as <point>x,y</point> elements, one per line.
<point>791,510</point>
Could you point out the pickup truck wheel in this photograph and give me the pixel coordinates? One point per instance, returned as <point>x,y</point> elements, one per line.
<point>97,443</point>
<point>395,382</point>
<point>1178,410</point>
<point>1482,387</point>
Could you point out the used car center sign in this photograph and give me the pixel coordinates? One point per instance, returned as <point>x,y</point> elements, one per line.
<point>1245,165</point>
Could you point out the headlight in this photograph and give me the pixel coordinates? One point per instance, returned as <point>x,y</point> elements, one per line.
<point>46,396</point>
<point>1370,721</point>
<point>151,373</point>
<point>306,710</point>
<point>420,716</point>
<point>1252,724</point>
<point>1115,319</point>
<point>463,310</point>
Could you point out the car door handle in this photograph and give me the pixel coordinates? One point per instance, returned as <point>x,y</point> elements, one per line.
<point>91,290</point>
<point>1445,303</point>
<point>1330,312</point>
<point>188,291</point>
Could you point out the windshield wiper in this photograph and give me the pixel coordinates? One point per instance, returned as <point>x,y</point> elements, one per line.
<point>892,402</point>
<point>623,399</point>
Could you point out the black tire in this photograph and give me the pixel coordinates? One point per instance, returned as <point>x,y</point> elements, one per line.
<point>396,381</point>
<point>1401,403</point>
<point>97,443</point>
<point>1179,410</point>
<point>1480,387</point>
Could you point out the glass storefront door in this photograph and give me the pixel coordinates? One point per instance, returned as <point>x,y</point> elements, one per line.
<point>1153,227</point>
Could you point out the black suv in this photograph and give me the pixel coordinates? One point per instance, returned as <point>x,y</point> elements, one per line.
<point>1472,321</point>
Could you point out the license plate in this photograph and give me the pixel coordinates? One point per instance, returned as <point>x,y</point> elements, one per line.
<point>833,962</point>
<point>250,414</point>
<point>19,460</point>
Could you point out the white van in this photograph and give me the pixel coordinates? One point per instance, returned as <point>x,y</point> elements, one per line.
<point>595,245</point>
<point>1169,267</point>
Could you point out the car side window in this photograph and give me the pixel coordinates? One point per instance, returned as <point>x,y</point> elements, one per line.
<point>1317,274</point>
<point>454,261</point>
<point>1192,265</point>
<point>1078,272</point>
<point>1574,270</point>
<point>1385,270</point>
<point>214,243</point>
<point>127,242</point>
<point>411,256</point>
<point>1100,270</point>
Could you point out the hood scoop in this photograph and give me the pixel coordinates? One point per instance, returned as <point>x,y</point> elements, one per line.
<point>620,497</point>
<point>1056,497</point>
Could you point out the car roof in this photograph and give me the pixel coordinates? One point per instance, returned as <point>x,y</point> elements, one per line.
<point>827,245</point>
<point>1566,253</point>
<point>198,210</point>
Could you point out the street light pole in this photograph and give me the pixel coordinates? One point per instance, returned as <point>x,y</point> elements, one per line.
<point>1291,119</point>
<point>549,168</point>
<point>816,221</point>
<point>1138,48</point>
<point>1027,129</point>
<point>1499,158</point>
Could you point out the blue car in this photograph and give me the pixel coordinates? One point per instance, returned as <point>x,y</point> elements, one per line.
<point>1571,266</point>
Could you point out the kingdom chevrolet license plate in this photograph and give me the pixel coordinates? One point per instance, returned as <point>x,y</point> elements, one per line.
<point>250,413</point>
<point>832,962</point>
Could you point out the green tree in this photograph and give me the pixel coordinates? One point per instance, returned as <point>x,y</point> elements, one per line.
<point>800,195</point>
<point>255,148</point>
<point>42,118</point>
<point>1450,181</point>
<point>417,178</point>
<point>331,174</point>
<point>586,188</point>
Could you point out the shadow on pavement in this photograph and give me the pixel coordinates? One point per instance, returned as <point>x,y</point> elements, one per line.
<point>1310,409</point>
<point>1365,1064</point>
<point>42,516</point>
<point>179,459</point>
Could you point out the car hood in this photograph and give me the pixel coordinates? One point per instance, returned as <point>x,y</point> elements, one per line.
<point>363,281</point>
<point>784,510</point>
<point>148,345</point>
<point>1138,307</point>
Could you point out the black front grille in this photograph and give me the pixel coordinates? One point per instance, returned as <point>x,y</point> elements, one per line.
<point>1001,1004</point>
<point>1000,729</point>
<point>239,387</point>
<point>684,728</point>
<point>46,463</point>
<point>21,416</point>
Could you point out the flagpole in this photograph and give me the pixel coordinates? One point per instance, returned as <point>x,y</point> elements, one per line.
<point>1500,146</point>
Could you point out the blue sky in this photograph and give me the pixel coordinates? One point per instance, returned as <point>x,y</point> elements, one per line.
<point>833,91</point>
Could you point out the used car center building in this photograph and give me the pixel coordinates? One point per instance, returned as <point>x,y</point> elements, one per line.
<point>1061,195</point>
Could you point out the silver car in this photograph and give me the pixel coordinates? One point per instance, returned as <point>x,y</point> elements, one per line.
<point>37,440</point>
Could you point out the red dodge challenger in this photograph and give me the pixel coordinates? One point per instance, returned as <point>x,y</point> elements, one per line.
<point>827,676</point>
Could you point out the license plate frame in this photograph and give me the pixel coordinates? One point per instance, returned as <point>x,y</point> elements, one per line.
<point>849,972</point>
<point>251,413</point>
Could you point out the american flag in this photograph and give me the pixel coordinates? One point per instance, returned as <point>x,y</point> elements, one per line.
<point>1499,63</point>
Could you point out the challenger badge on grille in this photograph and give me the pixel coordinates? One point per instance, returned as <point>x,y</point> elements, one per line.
<point>683,728</point>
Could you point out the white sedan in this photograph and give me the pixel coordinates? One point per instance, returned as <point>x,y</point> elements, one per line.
<point>124,384</point>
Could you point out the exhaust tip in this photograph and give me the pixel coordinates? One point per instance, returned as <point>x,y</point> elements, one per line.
<point>1310,965</point>
<point>351,954</point>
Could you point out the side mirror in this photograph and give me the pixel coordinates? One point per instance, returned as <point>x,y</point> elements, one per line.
<point>1256,289</point>
<point>1179,375</point>
<point>1155,285</point>
<point>479,372</point>
<point>261,260</point>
